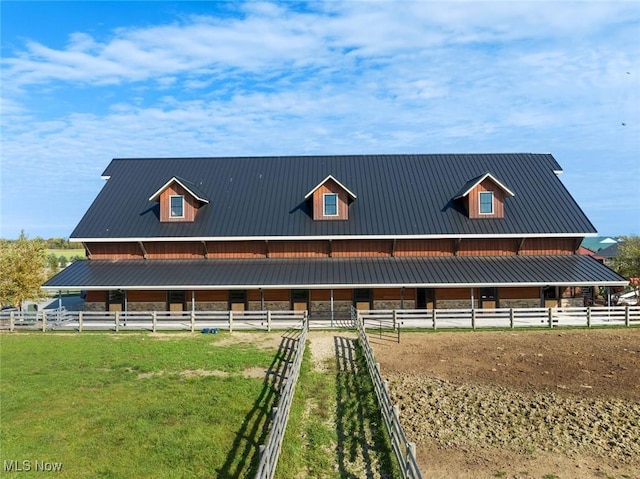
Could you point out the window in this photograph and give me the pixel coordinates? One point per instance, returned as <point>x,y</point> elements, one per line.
<point>486,203</point>
<point>330,204</point>
<point>177,206</point>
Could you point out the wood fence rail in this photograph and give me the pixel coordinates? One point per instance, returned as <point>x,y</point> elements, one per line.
<point>404,450</point>
<point>270,451</point>
<point>270,320</point>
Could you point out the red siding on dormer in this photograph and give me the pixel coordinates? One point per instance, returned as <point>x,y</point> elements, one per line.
<point>190,204</point>
<point>473,204</point>
<point>330,186</point>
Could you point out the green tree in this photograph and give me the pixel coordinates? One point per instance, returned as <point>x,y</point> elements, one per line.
<point>52,262</point>
<point>627,261</point>
<point>22,270</point>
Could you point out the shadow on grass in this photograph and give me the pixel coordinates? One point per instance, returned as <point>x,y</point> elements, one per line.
<point>363,447</point>
<point>255,425</point>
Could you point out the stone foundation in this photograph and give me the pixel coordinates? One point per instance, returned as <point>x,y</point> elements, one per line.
<point>212,306</point>
<point>520,303</point>
<point>94,306</point>
<point>453,303</point>
<point>147,306</point>
<point>269,306</point>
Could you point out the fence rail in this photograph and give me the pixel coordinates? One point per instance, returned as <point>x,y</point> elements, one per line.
<point>270,451</point>
<point>404,450</point>
<point>282,320</point>
<point>503,317</point>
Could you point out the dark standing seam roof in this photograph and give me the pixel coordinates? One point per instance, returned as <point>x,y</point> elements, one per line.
<point>335,272</point>
<point>396,195</point>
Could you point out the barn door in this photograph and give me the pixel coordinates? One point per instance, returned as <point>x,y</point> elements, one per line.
<point>300,299</point>
<point>238,300</point>
<point>362,299</point>
<point>176,300</point>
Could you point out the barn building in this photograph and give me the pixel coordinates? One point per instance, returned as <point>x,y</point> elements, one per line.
<point>329,233</point>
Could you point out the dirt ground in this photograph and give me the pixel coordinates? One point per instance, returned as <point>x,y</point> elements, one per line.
<point>518,404</point>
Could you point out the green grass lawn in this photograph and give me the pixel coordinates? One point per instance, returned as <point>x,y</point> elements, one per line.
<point>68,253</point>
<point>335,429</point>
<point>120,406</point>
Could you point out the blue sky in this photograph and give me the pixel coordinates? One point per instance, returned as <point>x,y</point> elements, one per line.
<point>85,82</point>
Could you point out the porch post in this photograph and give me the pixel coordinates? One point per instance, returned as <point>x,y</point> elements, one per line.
<point>193,300</point>
<point>402,297</point>
<point>261,299</point>
<point>59,303</point>
<point>331,307</point>
<point>126,307</point>
<point>472,300</point>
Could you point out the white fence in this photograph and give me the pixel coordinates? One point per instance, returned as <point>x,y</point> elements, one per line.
<point>502,317</point>
<point>280,414</point>
<point>404,450</point>
<point>151,320</point>
<point>272,320</point>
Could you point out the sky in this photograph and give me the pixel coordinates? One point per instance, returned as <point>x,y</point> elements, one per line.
<point>85,82</point>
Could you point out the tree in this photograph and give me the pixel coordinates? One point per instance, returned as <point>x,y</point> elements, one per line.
<point>627,261</point>
<point>22,270</point>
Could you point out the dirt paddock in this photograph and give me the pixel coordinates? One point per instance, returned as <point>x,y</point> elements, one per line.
<point>519,404</point>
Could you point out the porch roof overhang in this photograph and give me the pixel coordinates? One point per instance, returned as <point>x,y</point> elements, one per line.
<point>335,273</point>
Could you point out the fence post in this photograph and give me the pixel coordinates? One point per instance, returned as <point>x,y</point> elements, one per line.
<point>44,321</point>
<point>588,317</point>
<point>411,452</point>
<point>117,321</point>
<point>550,314</point>
<point>193,321</point>
<point>80,318</point>
<point>473,318</point>
<point>230,321</point>
<point>269,320</point>
<point>511,318</point>
<point>12,322</point>
<point>434,318</point>
<point>626,316</point>
<point>154,321</point>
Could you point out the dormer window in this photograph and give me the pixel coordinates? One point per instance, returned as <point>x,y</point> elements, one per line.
<point>486,202</point>
<point>484,197</point>
<point>179,200</point>
<point>177,206</point>
<point>330,204</point>
<point>330,200</point>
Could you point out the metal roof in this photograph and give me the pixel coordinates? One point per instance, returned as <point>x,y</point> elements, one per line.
<point>303,273</point>
<point>398,195</point>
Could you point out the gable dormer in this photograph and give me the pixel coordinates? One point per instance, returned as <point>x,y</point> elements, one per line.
<point>330,199</point>
<point>483,197</point>
<point>179,200</point>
